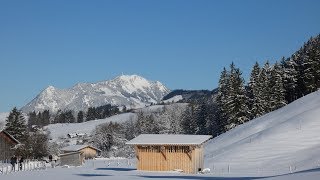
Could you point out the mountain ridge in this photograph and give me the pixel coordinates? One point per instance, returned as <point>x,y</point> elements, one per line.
<point>132,91</point>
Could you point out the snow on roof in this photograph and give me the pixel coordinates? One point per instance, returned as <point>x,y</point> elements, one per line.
<point>74,148</point>
<point>70,153</point>
<point>169,139</point>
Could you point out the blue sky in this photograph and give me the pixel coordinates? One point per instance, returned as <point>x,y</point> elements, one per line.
<point>182,43</point>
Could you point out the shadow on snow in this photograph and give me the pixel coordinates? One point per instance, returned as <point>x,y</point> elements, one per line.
<point>201,177</point>
<point>92,175</point>
<point>117,169</point>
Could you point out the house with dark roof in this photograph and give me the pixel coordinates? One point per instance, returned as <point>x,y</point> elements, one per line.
<point>88,152</point>
<point>170,152</point>
<point>7,145</point>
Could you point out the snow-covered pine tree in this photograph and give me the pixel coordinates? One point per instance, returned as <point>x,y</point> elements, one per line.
<point>16,125</point>
<point>69,118</point>
<point>188,123</point>
<point>290,79</point>
<point>310,60</point>
<point>46,117</point>
<point>223,90</point>
<point>237,100</point>
<point>32,119</point>
<point>265,89</point>
<point>80,117</point>
<point>200,116</point>
<point>277,93</point>
<point>254,92</point>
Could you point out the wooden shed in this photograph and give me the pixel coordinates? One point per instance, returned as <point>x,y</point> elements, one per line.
<point>89,152</point>
<point>72,159</point>
<point>163,152</point>
<point>7,145</point>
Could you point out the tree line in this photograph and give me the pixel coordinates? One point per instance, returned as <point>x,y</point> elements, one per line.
<point>270,86</point>
<point>40,119</point>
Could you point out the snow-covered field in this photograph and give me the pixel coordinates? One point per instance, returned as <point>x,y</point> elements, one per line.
<point>283,141</point>
<point>120,169</point>
<point>174,99</point>
<point>62,129</point>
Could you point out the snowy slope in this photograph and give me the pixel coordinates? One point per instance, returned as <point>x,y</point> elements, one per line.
<point>3,117</point>
<point>62,129</point>
<point>280,142</point>
<point>131,91</point>
<point>174,99</point>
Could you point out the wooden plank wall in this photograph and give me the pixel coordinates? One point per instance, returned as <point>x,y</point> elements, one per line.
<point>5,147</point>
<point>168,158</point>
<point>89,153</point>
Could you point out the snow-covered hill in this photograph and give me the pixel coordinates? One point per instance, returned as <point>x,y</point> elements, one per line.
<point>61,130</point>
<point>280,142</point>
<point>131,91</point>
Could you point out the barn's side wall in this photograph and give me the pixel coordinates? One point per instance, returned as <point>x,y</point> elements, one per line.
<point>168,158</point>
<point>89,153</point>
<point>5,147</point>
<point>74,159</point>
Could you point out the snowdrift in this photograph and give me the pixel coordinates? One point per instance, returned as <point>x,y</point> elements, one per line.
<point>283,141</point>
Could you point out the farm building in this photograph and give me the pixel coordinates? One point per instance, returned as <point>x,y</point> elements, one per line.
<point>163,152</point>
<point>89,152</point>
<point>72,158</point>
<point>7,145</point>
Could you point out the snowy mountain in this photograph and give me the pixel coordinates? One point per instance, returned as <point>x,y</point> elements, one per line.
<point>284,141</point>
<point>131,91</point>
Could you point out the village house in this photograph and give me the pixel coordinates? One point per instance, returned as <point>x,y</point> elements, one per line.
<point>7,145</point>
<point>72,158</point>
<point>163,152</point>
<point>88,152</point>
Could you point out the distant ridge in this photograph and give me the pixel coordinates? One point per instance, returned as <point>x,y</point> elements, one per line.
<point>132,91</point>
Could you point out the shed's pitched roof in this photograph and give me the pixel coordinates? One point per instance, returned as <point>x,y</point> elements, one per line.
<point>70,153</point>
<point>169,139</point>
<point>74,148</point>
<point>10,137</point>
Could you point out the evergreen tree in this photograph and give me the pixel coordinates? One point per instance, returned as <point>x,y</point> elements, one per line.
<point>277,97</point>
<point>80,117</point>
<point>237,100</point>
<point>188,123</point>
<point>265,89</point>
<point>16,125</point>
<point>69,118</point>
<point>45,117</point>
<point>311,66</point>
<point>201,118</point>
<point>91,114</point>
<point>32,119</point>
<point>290,78</point>
<point>223,93</point>
<point>254,92</point>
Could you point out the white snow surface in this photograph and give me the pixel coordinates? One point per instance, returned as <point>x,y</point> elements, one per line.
<point>76,147</point>
<point>286,140</point>
<point>62,129</point>
<point>3,117</point>
<point>131,91</point>
<point>174,99</point>
<point>169,139</point>
<point>156,108</point>
<point>122,169</point>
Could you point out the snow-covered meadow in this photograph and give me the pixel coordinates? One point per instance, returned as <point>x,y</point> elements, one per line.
<point>120,169</point>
